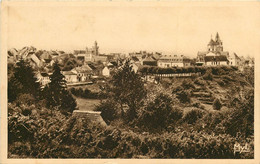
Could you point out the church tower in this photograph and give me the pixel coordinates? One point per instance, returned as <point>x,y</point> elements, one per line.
<point>219,44</point>
<point>211,45</point>
<point>215,46</point>
<point>95,49</point>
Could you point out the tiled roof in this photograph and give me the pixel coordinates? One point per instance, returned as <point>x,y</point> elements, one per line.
<point>215,58</point>
<point>149,59</point>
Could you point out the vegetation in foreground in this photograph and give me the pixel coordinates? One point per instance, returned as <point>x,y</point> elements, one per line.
<point>144,121</point>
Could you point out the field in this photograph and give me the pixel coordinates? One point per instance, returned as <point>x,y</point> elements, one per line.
<point>87,104</point>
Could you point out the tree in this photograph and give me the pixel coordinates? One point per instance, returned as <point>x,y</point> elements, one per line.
<point>241,119</point>
<point>68,103</point>
<point>22,80</point>
<point>158,113</point>
<point>56,87</point>
<point>217,104</point>
<point>127,89</point>
<point>57,94</point>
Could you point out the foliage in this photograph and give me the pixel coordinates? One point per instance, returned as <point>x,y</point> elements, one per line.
<point>26,99</point>
<point>217,104</point>
<point>187,84</point>
<point>22,80</point>
<point>157,110</point>
<point>184,96</point>
<point>241,119</point>
<point>127,88</point>
<point>56,92</point>
<point>249,75</point>
<point>76,137</point>
<point>192,116</point>
<point>208,75</point>
<point>109,110</point>
<point>86,93</point>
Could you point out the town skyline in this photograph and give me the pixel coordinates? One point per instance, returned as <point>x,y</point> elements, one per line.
<point>174,29</point>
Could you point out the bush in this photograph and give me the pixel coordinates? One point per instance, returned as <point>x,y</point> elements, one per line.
<point>68,103</point>
<point>221,82</point>
<point>241,119</point>
<point>175,115</point>
<point>217,104</point>
<point>192,116</point>
<point>76,137</point>
<point>159,111</point>
<point>184,96</point>
<point>200,82</point>
<point>86,93</point>
<point>187,84</point>
<point>25,99</point>
<point>109,111</point>
<point>208,75</point>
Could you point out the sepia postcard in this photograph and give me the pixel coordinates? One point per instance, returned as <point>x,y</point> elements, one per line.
<point>129,82</point>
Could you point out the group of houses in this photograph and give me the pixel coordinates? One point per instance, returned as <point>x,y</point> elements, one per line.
<point>93,55</point>
<point>160,60</point>
<point>80,74</point>
<point>215,56</point>
<point>94,64</point>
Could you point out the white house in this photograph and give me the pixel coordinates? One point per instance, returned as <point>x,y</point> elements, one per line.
<point>170,61</point>
<point>234,60</point>
<point>70,76</point>
<point>135,67</point>
<point>83,72</point>
<point>106,72</point>
<point>215,60</point>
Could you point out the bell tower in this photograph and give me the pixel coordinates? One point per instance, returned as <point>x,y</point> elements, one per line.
<point>95,49</point>
<point>219,44</point>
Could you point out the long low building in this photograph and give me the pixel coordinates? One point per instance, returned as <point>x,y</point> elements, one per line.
<point>167,61</point>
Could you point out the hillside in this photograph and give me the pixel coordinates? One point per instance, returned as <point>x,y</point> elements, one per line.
<point>199,117</point>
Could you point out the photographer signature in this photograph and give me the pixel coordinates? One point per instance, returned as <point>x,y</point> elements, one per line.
<point>241,149</point>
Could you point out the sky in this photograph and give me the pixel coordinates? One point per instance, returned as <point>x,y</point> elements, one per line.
<point>179,28</point>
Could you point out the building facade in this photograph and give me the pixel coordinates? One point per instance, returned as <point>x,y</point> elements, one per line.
<point>167,61</point>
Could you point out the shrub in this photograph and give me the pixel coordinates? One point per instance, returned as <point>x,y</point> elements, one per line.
<point>184,96</point>
<point>221,82</point>
<point>68,103</point>
<point>166,82</point>
<point>187,84</point>
<point>175,115</point>
<point>200,81</point>
<point>159,111</point>
<point>198,105</point>
<point>217,104</point>
<point>208,75</point>
<point>25,99</point>
<point>241,119</point>
<point>192,116</point>
<point>109,111</point>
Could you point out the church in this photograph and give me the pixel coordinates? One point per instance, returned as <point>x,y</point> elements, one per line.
<point>215,54</point>
<point>90,54</point>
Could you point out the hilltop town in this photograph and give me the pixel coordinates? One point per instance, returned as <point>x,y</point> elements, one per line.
<point>84,66</point>
<point>142,104</point>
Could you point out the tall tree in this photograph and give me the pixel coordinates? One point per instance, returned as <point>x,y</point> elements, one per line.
<point>57,94</point>
<point>127,89</point>
<point>22,80</point>
<point>56,87</point>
